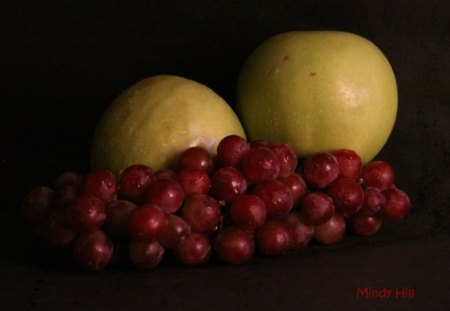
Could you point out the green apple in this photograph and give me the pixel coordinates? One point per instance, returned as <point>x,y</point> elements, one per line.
<point>154,120</point>
<point>319,91</point>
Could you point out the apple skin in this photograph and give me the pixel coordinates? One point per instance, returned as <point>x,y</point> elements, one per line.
<point>319,91</point>
<point>156,119</point>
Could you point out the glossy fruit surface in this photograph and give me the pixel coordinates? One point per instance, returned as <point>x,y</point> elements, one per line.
<point>201,212</point>
<point>147,222</point>
<point>332,231</point>
<point>195,250</point>
<point>323,91</point>
<point>317,208</point>
<point>93,251</point>
<point>274,238</point>
<point>234,246</point>
<point>396,206</point>
<point>156,119</point>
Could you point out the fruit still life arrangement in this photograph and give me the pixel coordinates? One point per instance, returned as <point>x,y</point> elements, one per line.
<point>177,174</point>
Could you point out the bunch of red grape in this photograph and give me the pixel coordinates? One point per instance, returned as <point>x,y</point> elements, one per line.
<point>253,197</point>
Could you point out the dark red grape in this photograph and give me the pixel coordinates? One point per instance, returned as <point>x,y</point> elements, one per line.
<point>56,230</point>
<point>134,181</point>
<point>332,231</point>
<point>166,193</point>
<point>118,215</point>
<point>67,187</point>
<point>227,183</point>
<point>102,184</point>
<point>350,164</point>
<point>259,144</point>
<point>274,238</point>
<point>320,169</point>
<point>373,201</point>
<point>364,225</point>
<point>145,254</point>
<point>277,197</point>
<point>166,174</point>
<point>195,158</point>
<point>195,250</point>
<point>38,203</point>
<point>297,185</point>
<point>396,206</point>
<point>175,231</point>
<point>194,181</point>
<point>87,214</point>
<point>231,150</point>
<point>317,208</point>
<point>260,165</point>
<point>286,157</point>
<point>234,245</point>
<point>69,178</point>
<point>248,212</point>
<point>93,251</point>
<point>347,194</point>
<point>146,222</point>
<point>378,174</point>
<point>65,195</point>
<point>202,212</point>
<point>302,231</point>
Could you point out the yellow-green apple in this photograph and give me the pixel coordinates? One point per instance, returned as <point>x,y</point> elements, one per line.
<point>319,91</point>
<point>156,119</point>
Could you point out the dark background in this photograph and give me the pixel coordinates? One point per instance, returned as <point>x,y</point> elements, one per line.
<point>63,62</point>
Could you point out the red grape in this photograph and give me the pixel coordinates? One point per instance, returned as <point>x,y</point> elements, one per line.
<point>332,231</point>
<point>195,158</point>
<point>194,250</point>
<point>286,157</point>
<point>396,206</point>
<point>347,194</point>
<point>102,184</point>
<point>373,201</point>
<point>350,164</point>
<point>320,169</point>
<point>175,231</point>
<point>166,174</point>
<point>302,231</point>
<point>194,181</point>
<point>297,185</point>
<point>231,150</point>
<point>134,181</point>
<point>317,208</point>
<point>67,187</point>
<point>146,222</point>
<point>260,165</point>
<point>87,214</point>
<point>260,143</point>
<point>364,225</point>
<point>69,178</point>
<point>234,246</point>
<point>145,254</point>
<point>202,212</point>
<point>248,212</point>
<point>93,250</point>
<point>118,215</point>
<point>277,197</point>
<point>227,183</point>
<point>378,174</point>
<point>274,238</point>
<point>65,196</point>
<point>56,230</point>
<point>38,203</point>
<point>166,193</point>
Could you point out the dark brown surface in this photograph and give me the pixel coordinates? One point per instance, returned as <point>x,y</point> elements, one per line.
<point>61,65</point>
